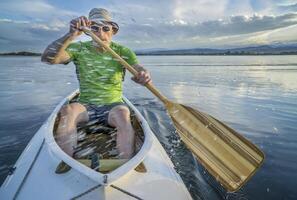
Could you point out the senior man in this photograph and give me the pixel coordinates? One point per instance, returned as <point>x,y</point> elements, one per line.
<point>100,80</point>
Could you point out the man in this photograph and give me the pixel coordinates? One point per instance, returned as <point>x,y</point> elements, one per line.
<point>100,79</point>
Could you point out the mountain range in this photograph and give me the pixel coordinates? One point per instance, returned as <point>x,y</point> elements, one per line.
<point>276,49</point>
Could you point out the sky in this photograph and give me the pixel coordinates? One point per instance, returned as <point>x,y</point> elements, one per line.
<point>30,25</point>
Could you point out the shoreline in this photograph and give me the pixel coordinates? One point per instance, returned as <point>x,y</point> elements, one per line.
<point>141,54</point>
<point>22,53</point>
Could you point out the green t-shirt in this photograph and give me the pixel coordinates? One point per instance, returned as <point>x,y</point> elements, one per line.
<point>99,75</point>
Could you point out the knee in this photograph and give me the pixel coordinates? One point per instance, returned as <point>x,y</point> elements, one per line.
<point>123,111</point>
<point>71,109</point>
<point>66,110</point>
<point>119,116</point>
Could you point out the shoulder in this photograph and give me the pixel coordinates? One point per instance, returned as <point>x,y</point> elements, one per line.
<point>126,53</point>
<point>78,45</point>
<point>73,45</point>
<point>75,48</point>
<point>121,49</point>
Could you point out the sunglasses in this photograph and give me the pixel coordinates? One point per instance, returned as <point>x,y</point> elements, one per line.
<point>97,28</point>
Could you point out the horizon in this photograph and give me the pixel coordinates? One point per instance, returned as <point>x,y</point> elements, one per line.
<point>294,45</point>
<point>30,25</point>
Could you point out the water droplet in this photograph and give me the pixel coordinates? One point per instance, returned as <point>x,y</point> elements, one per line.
<point>275,129</point>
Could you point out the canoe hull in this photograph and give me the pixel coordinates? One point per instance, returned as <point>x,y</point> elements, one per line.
<point>35,178</point>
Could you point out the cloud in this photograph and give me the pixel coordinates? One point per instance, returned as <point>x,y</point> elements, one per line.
<point>281,35</point>
<point>32,9</point>
<point>18,35</point>
<point>170,34</point>
<point>287,8</point>
<point>199,10</point>
<point>286,34</point>
<point>173,32</point>
<point>14,21</point>
<point>245,24</point>
<point>135,11</point>
<point>33,24</point>
<point>242,7</point>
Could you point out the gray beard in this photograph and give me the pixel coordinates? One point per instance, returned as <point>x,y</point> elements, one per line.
<point>98,46</point>
<point>95,44</point>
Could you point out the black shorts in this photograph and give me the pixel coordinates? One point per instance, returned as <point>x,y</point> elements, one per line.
<point>99,114</point>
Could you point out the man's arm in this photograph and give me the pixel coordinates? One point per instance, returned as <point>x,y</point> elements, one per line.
<point>143,77</point>
<point>139,68</point>
<point>55,52</point>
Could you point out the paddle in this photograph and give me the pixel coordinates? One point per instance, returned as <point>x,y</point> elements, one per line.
<point>226,155</point>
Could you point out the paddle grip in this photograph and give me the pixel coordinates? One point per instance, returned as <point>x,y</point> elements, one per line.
<point>131,69</point>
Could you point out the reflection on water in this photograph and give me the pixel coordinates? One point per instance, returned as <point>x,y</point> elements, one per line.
<point>285,78</point>
<point>256,95</point>
<point>257,100</point>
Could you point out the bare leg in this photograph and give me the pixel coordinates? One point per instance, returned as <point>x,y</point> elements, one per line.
<point>66,135</point>
<point>119,117</point>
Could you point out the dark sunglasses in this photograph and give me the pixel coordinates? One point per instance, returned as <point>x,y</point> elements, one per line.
<point>97,28</point>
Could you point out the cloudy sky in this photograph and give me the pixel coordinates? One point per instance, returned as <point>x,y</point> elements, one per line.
<point>31,24</point>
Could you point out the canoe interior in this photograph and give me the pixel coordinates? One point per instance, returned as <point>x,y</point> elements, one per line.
<point>96,139</point>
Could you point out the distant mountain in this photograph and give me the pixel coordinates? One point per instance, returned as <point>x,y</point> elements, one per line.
<point>21,53</point>
<point>278,49</point>
<point>274,49</point>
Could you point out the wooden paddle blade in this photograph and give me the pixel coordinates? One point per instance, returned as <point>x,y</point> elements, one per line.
<point>226,155</point>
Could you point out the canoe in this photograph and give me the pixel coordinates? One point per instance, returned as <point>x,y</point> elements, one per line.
<point>149,174</point>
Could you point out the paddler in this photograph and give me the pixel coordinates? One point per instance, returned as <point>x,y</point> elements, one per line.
<point>100,82</point>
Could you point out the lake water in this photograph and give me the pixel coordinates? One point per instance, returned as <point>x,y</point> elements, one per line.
<point>255,95</point>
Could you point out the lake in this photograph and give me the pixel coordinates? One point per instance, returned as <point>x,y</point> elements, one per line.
<point>255,95</point>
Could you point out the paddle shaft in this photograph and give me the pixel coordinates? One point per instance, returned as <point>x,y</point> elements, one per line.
<point>131,69</point>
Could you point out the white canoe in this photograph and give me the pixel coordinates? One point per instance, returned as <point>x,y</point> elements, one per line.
<point>34,174</point>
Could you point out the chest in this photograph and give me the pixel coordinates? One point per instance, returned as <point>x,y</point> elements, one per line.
<point>96,63</point>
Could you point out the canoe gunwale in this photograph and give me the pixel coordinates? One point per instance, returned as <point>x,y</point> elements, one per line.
<point>23,165</point>
<point>105,179</point>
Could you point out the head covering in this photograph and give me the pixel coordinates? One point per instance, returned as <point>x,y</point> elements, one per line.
<point>100,15</point>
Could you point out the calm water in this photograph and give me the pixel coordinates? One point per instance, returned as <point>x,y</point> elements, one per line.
<point>256,95</point>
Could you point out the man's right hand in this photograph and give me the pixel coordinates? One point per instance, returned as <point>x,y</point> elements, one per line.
<point>76,24</point>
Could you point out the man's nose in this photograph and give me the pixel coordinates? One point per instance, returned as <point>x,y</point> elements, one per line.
<point>100,32</point>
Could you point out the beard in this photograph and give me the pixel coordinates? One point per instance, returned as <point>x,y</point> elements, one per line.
<point>98,46</point>
<point>95,44</point>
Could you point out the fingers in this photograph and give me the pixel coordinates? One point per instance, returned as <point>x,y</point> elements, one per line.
<point>86,21</point>
<point>73,24</point>
<point>143,77</point>
<point>82,21</point>
<point>77,23</point>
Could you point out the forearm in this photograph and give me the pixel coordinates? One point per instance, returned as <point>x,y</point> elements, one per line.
<point>55,52</point>
<point>139,68</point>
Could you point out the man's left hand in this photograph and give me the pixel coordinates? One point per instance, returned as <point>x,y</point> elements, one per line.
<point>143,77</point>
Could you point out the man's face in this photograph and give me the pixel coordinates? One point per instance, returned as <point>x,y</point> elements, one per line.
<point>103,31</point>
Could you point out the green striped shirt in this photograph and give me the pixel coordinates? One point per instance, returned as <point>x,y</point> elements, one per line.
<point>100,76</point>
